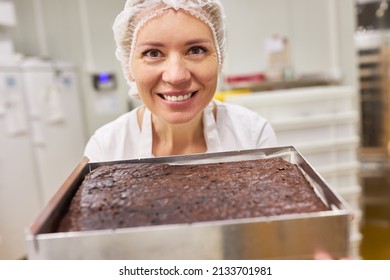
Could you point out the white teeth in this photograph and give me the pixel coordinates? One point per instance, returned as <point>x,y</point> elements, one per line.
<point>177,98</point>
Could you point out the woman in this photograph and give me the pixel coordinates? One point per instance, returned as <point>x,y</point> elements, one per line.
<point>171,53</point>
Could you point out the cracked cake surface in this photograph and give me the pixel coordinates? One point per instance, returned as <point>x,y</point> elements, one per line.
<point>144,194</point>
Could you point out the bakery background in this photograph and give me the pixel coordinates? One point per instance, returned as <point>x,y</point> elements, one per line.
<point>316,69</point>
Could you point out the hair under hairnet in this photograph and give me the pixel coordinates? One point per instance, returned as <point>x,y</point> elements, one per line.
<point>137,12</point>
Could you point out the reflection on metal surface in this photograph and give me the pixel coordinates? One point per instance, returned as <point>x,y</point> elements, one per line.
<point>375,226</point>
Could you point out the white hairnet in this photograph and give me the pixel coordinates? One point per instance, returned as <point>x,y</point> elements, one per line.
<point>137,12</point>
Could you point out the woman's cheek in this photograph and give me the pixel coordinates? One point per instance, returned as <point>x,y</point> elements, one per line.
<point>209,76</point>
<point>146,76</point>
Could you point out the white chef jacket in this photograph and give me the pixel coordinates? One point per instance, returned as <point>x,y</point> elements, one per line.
<point>234,128</point>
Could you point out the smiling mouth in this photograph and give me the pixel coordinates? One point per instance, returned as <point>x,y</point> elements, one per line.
<point>177,98</point>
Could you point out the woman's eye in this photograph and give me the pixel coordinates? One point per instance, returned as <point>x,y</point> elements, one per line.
<point>152,53</point>
<point>197,50</point>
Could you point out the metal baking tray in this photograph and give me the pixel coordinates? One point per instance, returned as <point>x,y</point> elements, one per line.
<point>292,236</point>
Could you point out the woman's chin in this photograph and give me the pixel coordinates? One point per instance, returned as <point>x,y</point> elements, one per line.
<point>179,118</point>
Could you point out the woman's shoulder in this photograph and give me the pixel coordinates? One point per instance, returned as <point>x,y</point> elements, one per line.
<point>111,141</point>
<point>124,121</point>
<point>249,128</point>
<point>112,134</point>
<point>237,112</point>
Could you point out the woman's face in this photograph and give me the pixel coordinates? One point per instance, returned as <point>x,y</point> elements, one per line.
<point>175,66</point>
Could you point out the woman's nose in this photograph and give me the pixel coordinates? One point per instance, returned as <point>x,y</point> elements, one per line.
<point>176,71</point>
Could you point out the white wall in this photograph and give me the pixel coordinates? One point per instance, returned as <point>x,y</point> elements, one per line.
<point>321,35</point>
<point>63,30</point>
<point>248,24</point>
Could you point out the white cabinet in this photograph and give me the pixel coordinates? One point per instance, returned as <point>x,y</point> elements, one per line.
<point>19,183</point>
<point>322,123</point>
<point>58,132</point>
<point>42,137</point>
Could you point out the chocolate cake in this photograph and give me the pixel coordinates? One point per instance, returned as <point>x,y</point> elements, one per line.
<point>133,195</point>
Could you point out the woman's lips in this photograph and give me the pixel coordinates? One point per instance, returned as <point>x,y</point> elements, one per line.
<point>177,97</point>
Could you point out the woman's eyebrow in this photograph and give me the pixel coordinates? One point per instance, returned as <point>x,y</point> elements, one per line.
<point>150,44</point>
<point>198,41</point>
<point>187,43</point>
